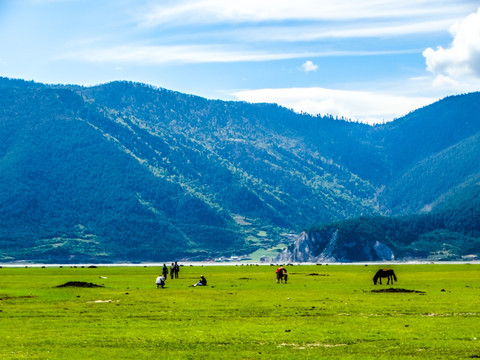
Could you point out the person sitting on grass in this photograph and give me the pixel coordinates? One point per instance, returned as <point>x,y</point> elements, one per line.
<point>201,282</point>
<point>160,281</point>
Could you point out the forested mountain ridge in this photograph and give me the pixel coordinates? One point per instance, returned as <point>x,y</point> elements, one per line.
<point>434,178</point>
<point>127,172</point>
<point>431,151</point>
<point>432,186</point>
<point>450,232</point>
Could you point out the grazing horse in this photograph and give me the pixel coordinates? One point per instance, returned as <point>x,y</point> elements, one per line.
<point>281,275</point>
<point>384,273</point>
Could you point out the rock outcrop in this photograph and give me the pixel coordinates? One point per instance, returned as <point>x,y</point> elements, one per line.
<point>330,247</point>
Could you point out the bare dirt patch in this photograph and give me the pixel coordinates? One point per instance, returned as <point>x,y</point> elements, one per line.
<point>80,284</point>
<point>398,290</point>
<point>317,274</point>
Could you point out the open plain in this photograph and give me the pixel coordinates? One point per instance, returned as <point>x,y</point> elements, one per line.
<point>325,311</point>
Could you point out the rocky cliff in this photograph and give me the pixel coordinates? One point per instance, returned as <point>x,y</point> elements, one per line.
<point>318,247</point>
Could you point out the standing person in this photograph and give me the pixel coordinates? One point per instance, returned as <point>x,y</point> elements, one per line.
<point>165,271</point>
<point>172,270</point>
<point>177,269</point>
<point>160,281</point>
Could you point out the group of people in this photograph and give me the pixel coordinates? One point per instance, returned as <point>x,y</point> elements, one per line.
<point>281,273</point>
<point>174,270</point>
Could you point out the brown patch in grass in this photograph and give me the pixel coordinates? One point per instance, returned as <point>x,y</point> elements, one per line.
<point>397,290</point>
<point>81,284</point>
<point>317,274</point>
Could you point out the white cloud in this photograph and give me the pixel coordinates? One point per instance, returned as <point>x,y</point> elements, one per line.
<point>461,61</point>
<point>175,54</point>
<point>215,11</point>
<point>445,82</point>
<point>165,54</point>
<point>309,66</point>
<point>341,31</point>
<point>368,107</point>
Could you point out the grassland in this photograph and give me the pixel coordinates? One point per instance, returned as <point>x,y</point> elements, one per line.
<point>323,312</point>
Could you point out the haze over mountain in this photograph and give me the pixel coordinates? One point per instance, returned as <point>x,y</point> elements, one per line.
<point>127,172</point>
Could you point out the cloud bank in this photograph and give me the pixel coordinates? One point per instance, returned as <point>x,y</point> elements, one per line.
<point>218,11</point>
<point>461,60</point>
<point>363,106</point>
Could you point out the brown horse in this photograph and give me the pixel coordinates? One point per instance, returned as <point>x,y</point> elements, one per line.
<point>384,273</point>
<point>282,275</point>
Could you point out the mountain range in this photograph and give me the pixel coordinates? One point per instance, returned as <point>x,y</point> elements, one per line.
<point>129,172</point>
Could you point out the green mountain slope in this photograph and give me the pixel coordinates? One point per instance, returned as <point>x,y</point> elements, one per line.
<point>68,192</point>
<point>450,232</point>
<point>127,172</point>
<point>432,179</point>
<point>427,131</point>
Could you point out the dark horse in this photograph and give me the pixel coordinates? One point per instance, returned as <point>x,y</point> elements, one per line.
<point>384,273</point>
<point>282,275</point>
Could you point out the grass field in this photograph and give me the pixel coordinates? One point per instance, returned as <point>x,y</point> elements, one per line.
<point>323,312</point>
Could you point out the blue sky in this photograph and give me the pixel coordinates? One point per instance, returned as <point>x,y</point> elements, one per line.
<point>369,60</point>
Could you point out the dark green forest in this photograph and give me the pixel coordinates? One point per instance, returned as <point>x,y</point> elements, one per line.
<point>447,233</point>
<point>129,172</point>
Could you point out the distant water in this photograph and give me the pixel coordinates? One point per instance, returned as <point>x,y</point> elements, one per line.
<point>214,263</point>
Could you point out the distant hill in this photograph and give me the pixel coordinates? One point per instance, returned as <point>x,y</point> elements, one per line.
<point>434,178</point>
<point>431,151</point>
<point>128,172</point>
<point>451,232</point>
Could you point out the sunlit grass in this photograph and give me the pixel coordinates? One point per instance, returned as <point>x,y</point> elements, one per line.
<point>323,312</point>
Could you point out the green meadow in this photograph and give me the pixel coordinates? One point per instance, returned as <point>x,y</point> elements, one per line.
<point>325,311</point>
